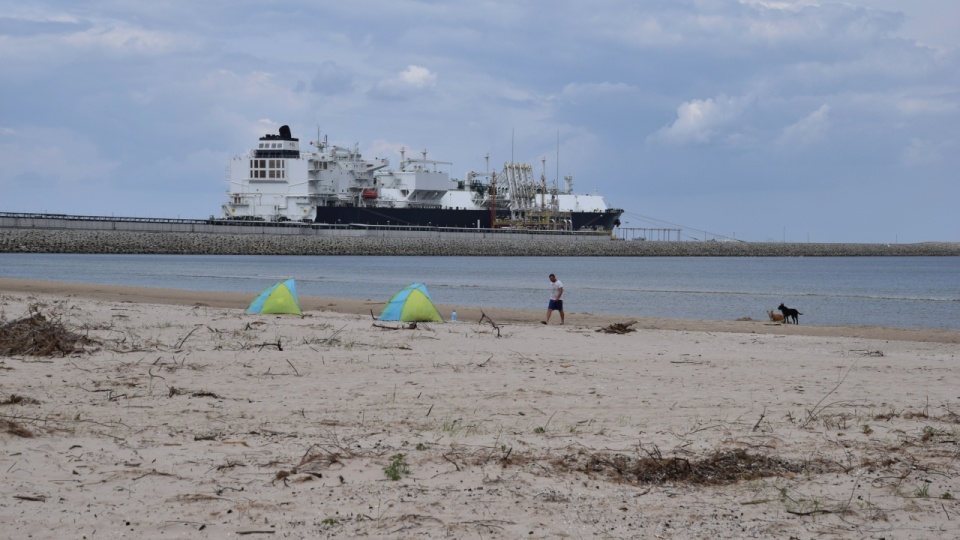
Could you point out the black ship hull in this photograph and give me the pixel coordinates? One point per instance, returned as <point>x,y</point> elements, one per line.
<point>449,217</point>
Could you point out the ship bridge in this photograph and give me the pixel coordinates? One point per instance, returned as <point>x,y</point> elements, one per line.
<point>283,146</point>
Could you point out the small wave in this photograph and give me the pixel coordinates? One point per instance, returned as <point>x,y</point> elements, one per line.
<point>786,294</point>
<point>214,276</point>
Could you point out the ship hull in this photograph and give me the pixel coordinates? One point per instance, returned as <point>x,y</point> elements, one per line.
<point>447,217</point>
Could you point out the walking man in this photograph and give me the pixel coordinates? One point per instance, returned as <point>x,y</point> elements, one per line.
<point>556,303</point>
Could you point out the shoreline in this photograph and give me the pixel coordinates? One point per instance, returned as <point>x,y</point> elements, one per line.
<point>372,308</point>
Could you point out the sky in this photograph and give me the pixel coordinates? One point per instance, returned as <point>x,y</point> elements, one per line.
<point>759,120</point>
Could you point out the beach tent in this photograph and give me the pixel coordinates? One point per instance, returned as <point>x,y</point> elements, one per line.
<point>279,298</point>
<point>411,304</point>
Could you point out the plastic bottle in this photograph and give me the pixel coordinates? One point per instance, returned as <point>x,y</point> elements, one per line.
<point>453,316</point>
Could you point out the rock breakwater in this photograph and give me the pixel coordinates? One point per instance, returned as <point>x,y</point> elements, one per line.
<point>104,242</point>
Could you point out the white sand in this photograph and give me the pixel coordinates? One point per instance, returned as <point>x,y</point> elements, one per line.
<point>189,421</point>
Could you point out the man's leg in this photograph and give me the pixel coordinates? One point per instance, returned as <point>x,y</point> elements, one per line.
<point>549,313</point>
<point>561,316</point>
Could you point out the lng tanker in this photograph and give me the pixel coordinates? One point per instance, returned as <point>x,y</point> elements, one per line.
<point>277,181</point>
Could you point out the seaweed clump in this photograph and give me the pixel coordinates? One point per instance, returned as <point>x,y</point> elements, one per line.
<point>40,335</point>
<point>720,468</point>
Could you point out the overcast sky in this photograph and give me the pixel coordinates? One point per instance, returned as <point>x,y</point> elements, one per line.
<point>783,120</point>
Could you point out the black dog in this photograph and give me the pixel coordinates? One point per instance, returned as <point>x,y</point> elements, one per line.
<point>789,313</point>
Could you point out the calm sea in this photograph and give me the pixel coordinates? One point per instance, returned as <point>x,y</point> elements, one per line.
<point>906,292</point>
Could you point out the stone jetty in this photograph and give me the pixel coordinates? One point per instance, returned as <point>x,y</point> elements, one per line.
<point>18,240</point>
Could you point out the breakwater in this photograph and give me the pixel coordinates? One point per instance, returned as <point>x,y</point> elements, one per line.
<point>17,240</point>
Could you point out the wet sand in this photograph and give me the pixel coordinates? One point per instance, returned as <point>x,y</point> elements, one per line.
<point>118,293</point>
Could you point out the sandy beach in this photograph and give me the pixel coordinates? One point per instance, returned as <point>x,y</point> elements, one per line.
<point>182,416</point>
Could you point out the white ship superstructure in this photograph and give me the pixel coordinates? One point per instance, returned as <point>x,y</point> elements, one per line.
<point>277,181</point>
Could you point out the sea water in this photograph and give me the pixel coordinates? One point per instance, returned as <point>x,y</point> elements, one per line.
<point>906,292</point>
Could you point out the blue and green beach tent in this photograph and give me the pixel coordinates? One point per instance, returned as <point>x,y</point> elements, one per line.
<point>411,304</point>
<point>280,298</point>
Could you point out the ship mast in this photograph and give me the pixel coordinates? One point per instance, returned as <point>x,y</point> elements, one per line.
<point>493,193</point>
<point>543,183</point>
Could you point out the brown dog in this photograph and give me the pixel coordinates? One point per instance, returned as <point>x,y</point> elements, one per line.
<point>775,317</point>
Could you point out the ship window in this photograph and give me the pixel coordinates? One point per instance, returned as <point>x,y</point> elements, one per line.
<point>268,168</point>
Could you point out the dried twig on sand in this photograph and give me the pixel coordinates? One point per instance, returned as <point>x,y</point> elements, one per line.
<point>13,428</point>
<point>489,320</point>
<point>411,326</point>
<point>14,399</point>
<point>813,413</point>
<point>619,328</point>
<point>278,345</point>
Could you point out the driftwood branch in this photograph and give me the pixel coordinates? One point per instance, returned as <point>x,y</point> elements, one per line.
<point>757,425</point>
<point>184,340</point>
<point>277,345</point>
<point>619,328</point>
<point>491,321</point>
<point>294,368</point>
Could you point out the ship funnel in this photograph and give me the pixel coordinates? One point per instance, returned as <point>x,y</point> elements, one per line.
<point>285,133</point>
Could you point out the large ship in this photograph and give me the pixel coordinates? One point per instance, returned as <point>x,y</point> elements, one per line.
<point>277,181</point>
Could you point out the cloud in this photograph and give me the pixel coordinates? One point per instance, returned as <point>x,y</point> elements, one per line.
<point>701,121</point>
<point>722,28</point>
<point>923,106</point>
<point>807,130</point>
<point>408,82</point>
<point>332,78</point>
<point>124,38</point>
<point>252,85</point>
<point>55,157</point>
<point>574,91</point>
<point>25,27</point>
<point>922,152</point>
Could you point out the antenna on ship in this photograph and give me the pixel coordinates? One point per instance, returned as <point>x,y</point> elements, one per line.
<point>557,177</point>
<point>493,193</point>
<point>543,182</point>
